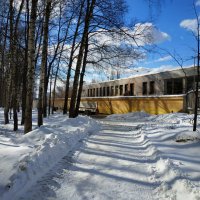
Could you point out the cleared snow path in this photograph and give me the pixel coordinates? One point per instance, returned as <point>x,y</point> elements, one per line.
<point>110,164</point>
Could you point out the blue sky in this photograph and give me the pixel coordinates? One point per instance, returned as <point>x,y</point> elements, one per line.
<point>167,19</point>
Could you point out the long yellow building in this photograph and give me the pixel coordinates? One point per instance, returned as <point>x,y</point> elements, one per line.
<point>157,93</point>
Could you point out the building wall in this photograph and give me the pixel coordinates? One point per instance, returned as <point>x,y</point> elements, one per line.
<point>157,103</point>
<point>151,105</point>
<point>159,79</point>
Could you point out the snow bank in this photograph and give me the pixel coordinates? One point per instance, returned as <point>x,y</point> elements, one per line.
<point>41,150</point>
<point>134,116</point>
<point>173,183</point>
<point>188,136</point>
<point>174,149</point>
<point>170,147</point>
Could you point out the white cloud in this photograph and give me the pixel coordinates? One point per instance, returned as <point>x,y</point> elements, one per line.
<point>163,59</point>
<point>139,35</point>
<point>147,33</point>
<point>198,3</point>
<point>189,24</point>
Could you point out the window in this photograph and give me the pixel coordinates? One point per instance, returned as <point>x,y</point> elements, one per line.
<point>132,89</point>
<point>100,92</point>
<point>152,87</point>
<point>104,91</point>
<point>126,90</point>
<point>169,87</point>
<point>93,92</point>
<point>108,91</point>
<point>190,83</point>
<point>116,90</point>
<point>198,103</point>
<point>97,92</point>
<point>174,86</point>
<point>121,90</point>
<point>112,90</point>
<point>178,86</point>
<point>88,92</point>
<point>144,88</point>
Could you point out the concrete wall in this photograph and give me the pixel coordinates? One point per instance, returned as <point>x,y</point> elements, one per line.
<point>158,78</point>
<point>159,85</point>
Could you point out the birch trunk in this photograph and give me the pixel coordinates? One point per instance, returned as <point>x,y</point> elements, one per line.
<point>43,69</point>
<point>71,59</point>
<point>82,78</point>
<point>31,68</point>
<point>88,17</point>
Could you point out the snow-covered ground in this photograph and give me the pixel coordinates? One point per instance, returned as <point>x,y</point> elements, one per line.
<point>25,158</point>
<point>130,156</point>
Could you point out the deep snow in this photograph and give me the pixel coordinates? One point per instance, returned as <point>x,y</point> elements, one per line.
<point>25,158</point>
<point>131,156</point>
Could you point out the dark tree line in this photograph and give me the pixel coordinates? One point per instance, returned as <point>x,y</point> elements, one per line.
<point>39,39</point>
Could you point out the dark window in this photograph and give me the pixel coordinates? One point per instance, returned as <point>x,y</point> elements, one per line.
<point>116,90</point>
<point>152,87</point>
<point>121,90</point>
<point>144,88</point>
<point>196,78</point>
<point>198,104</point>
<point>108,91</point>
<point>190,83</point>
<point>88,92</point>
<point>97,92</point>
<point>169,87</point>
<point>112,90</point>
<point>132,89</point>
<point>94,92</point>
<point>126,93</point>
<point>100,92</point>
<point>178,86</point>
<point>104,91</point>
<point>174,86</point>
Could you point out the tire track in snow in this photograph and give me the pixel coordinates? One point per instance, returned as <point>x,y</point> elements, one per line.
<point>111,164</point>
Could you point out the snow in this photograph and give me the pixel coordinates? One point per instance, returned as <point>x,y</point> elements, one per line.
<point>25,158</point>
<point>124,156</point>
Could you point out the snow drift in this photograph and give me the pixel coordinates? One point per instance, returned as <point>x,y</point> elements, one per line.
<point>30,156</point>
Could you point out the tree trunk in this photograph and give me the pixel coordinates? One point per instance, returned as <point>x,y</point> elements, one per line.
<point>198,75</point>
<point>31,68</point>
<point>24,88</point>
<point>3,70</point>
<point>89,14</point>
<point>43,71</point>
<point>82,78</point>
<point>10,71</point>
<point>13,64</point>
<point>14,60</point>
<point>49,107</point>
<point>71,60</point>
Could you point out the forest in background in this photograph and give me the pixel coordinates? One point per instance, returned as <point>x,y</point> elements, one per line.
<point>46,41</point>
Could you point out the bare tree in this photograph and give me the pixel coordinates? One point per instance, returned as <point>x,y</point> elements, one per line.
<point>197,37</point>
<point>25,66</point>
<point>43,71</point>
<point>88,17</point>
<point>31,67</point>
<point>73,48</point>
